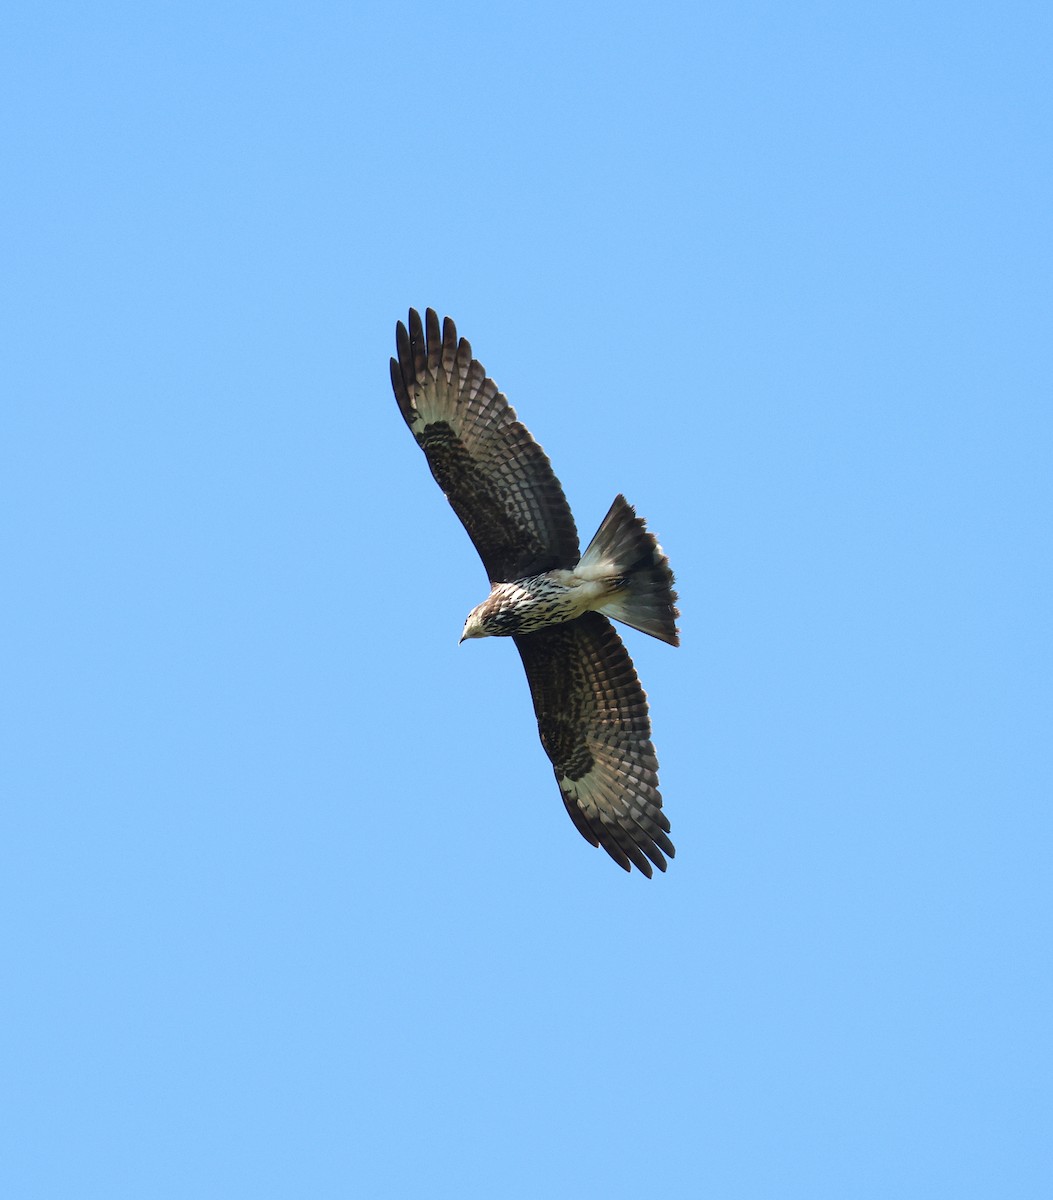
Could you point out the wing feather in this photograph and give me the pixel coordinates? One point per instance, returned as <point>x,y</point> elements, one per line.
<point>594,725</point>
<point>496,477</point>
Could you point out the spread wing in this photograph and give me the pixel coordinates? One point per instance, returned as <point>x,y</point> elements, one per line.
<point>497,478</point>
<point>592,717</point>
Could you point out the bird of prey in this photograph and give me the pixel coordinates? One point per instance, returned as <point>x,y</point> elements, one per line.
<point>553,601</point>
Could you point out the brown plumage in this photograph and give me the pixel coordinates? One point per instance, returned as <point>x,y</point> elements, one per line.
<point>591,710</point>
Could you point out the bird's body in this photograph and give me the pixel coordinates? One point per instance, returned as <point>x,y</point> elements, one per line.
<point>525,605</point>
<point>555,603</point>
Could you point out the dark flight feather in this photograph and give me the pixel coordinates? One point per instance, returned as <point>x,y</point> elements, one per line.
<point>496,477</point>
<point>593,720</point>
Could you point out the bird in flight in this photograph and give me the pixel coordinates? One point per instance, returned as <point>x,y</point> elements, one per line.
<point>553,601</point>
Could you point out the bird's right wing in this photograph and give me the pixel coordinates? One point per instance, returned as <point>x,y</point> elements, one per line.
<point>593,720</point>
<point>497,478</point>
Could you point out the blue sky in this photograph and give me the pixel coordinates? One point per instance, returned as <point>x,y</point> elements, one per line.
<point>290,904</point>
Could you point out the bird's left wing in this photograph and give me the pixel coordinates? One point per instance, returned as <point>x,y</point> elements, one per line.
<point>593,720</point>
<point>497,478</point>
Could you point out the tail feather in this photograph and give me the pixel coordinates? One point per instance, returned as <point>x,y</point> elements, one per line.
<point>624,552</point>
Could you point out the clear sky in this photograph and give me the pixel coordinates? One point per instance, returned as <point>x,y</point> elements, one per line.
<point>290,904</point>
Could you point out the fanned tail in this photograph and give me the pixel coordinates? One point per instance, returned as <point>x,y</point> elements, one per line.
<point>624,552</point>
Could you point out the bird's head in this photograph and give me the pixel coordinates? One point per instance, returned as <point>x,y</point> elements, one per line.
<point>495,617</point>
<point>475,625</point>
